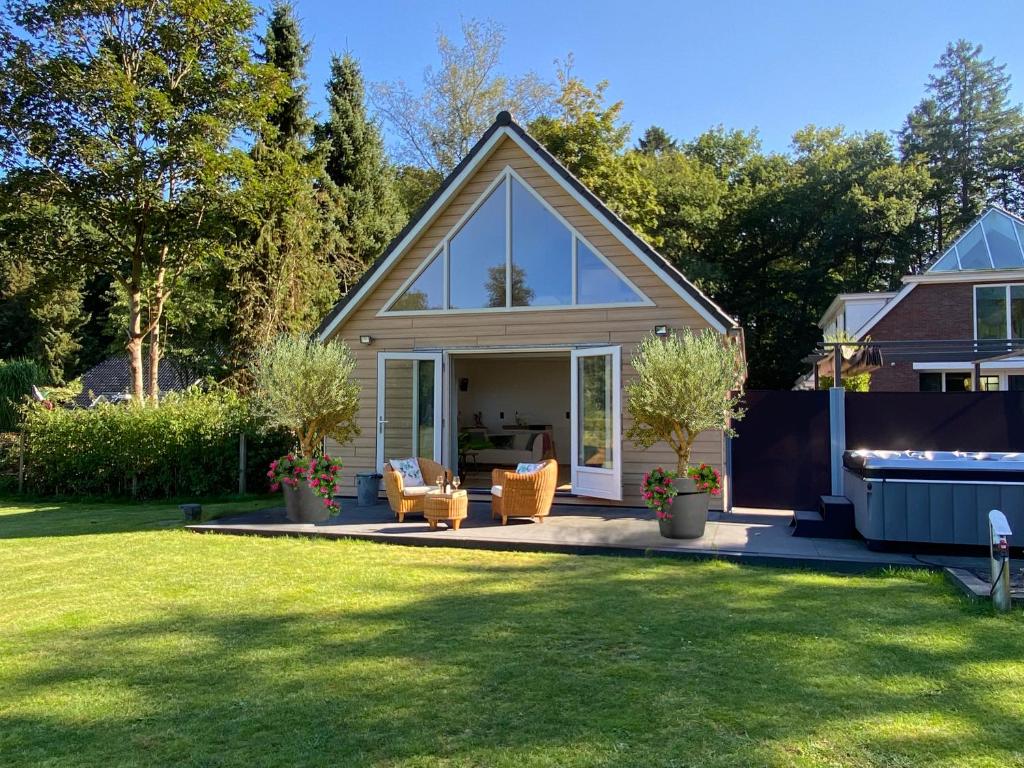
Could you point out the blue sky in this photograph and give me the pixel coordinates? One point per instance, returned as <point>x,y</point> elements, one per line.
<point>776,66</point>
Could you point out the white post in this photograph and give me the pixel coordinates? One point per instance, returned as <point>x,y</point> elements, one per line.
<point>837,435</point>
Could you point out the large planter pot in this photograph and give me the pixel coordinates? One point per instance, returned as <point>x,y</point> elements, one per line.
<point>689,512</point>
<point>303,505</point>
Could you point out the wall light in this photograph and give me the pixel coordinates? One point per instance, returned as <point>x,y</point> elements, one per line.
<point>367,340</point>
<point>661,331</point>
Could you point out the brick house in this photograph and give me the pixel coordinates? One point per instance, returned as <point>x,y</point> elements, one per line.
<point>974,291</point>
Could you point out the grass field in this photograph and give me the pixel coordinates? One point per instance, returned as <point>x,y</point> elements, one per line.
<point>127,641</point>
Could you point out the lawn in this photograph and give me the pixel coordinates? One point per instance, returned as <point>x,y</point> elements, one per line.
<point>127,641</point>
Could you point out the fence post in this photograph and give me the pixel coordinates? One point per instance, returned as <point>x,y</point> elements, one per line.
<point>21,463</point>
<point>837,436</point>
<point>242,460</point>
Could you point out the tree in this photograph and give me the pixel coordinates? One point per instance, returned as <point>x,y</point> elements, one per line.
<point>307,387</point>
<point>282,279</point>
<point>969,137</point>
<point>656,141</point>
<point>369,212</point>
<point>522,294</point>
<point>130,111</point>
<point>589,139</point>
<point>414,187</point>
<point>437,127</point>
<point>685,385</point>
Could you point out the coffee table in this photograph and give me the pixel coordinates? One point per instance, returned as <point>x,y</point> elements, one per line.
<point>451,507</point>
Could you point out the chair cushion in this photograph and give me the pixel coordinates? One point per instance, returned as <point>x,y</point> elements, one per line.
<point>525,468</point>
<point>496,490</point>
<point>409,469</point>
<point>416,490</point>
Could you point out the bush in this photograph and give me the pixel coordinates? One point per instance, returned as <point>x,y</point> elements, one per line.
<point>857,382</point>
<point>16,380</point>
<point>188,446</point>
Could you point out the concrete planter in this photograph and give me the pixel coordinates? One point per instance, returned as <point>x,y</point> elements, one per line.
<point>303,505</point>
<point>689,512</point>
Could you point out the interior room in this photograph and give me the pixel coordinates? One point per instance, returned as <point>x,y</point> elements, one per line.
<point>512,408</point>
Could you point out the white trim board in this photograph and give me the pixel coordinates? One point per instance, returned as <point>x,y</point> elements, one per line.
<point>457,184</point>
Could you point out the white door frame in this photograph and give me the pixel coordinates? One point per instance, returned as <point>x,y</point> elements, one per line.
<point>439,420</point>
<point>598,482</point>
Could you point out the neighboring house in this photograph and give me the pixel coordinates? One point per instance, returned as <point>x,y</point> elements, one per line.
<point>507,311</point>
<point>974,291</point>
<point>111,380</point>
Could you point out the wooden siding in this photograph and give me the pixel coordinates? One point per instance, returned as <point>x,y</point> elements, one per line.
<point>624,326</point>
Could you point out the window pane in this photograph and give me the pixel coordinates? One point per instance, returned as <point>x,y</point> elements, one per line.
<point>477,257</point>
<point>596,283</point>
<point>1017,311</point>
<point>595,438</point>
<point>958,382</point>
<point>425,411</point>
<point>991,308</point>
<point>947,263</point>
<point>1015,383</point>
<point>972,250</point>
<point>1001,241</point>
<point>541,253</point>
<point>427,292</point>
<point>930,382</point>
<point>988,384</point>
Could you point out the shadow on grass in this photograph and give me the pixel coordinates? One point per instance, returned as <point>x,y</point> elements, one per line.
<point>532,661</point>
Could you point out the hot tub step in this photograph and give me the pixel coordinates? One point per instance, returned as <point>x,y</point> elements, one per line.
<point>833,520</point>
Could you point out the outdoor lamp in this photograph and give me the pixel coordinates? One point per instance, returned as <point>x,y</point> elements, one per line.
<point>367,340</point>
<point>661,331</point>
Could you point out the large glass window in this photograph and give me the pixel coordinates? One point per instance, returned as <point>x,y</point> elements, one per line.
<point>1016,312</point>
<point>476,257</point>
<point>541,253</point>
<point>513,251</point>
<point>930,381</point>
<point>1002,242</point>
<point>595,420</point>
<point>990,308</point>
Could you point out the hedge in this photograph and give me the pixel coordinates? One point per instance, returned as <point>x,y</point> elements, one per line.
<point>16,380</point>
<point>186,446</point>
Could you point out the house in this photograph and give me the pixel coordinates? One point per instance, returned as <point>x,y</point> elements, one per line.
<point>111,380</point>
<point>498,327</point>
<point>972,294</point>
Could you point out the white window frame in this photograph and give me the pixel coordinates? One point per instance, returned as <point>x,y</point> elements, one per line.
<point>505,177</point>
<point>1009,317</point>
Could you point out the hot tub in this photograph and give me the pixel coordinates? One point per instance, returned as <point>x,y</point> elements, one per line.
<point>932,497</point>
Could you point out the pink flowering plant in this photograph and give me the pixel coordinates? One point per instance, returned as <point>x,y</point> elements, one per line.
<point>658,491</point>
<point>706,478</point>
<point>322,474</point>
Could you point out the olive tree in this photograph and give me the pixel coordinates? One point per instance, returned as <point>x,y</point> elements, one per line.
<point>306,386</point>
<point>685,385</point>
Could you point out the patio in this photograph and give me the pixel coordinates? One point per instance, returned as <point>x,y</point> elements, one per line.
<point>746,535</point>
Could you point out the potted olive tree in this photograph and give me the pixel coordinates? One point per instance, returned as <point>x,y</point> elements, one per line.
<point>306,386</point>
<point>686,384</point>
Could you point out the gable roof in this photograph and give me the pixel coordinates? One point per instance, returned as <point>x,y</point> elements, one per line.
<point>113,376</point>
<point>505,126</point>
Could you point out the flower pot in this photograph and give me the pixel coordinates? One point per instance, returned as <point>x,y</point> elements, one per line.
<point>303,505</point>
<point>689,512</point>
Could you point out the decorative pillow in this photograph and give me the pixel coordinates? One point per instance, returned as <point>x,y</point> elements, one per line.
<point>409,469</point>
<point>522,468</point>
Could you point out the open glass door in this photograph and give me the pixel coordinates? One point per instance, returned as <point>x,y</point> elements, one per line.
<point>408,406</point>
<point>597,423</point>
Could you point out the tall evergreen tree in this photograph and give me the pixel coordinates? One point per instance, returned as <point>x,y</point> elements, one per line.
<point>656,141</point>
<point>282,279</point>
<point>368,209</point>
<point>971,139</point>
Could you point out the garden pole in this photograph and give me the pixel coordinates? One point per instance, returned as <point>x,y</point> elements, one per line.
<point>837,436</point>
<point>241,463</point>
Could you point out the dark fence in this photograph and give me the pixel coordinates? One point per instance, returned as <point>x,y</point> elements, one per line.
<point>935,421</point>
<point>780,457</point>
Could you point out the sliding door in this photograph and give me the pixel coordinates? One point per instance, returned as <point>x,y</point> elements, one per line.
<point>597,423</point>
<point>408,406</point>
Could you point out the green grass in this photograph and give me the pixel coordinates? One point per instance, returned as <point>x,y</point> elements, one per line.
<point>127,641</point>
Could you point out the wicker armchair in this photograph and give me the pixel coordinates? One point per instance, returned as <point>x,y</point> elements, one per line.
<point>524,495</point>
<point>409,501</point>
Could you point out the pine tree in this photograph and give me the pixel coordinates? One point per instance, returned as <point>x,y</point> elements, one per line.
<point>656,141</point>
<point>368,211</point>
<point>970,138</point>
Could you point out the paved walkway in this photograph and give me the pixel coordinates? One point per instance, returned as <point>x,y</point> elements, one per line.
<point>751,536</point>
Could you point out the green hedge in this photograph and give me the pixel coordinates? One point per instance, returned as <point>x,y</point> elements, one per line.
<point>188,446</point>
<point>16,380</point>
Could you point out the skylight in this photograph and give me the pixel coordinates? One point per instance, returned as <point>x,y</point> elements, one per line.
<point>995,241</point>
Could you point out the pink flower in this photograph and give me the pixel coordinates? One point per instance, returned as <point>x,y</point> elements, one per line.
<point>275,487</point>
<point>270,473</point>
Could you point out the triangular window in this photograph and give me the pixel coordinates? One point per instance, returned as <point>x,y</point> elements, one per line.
<point>512,251</point>
<point>994,241</point>
<point>596,283</point>
<point>426,291</point>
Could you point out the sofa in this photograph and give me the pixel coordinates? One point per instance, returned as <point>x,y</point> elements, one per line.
<point>509,447</point>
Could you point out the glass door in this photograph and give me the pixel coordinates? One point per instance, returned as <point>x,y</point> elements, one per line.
<point>597,423</point>
<point>408,406</point>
